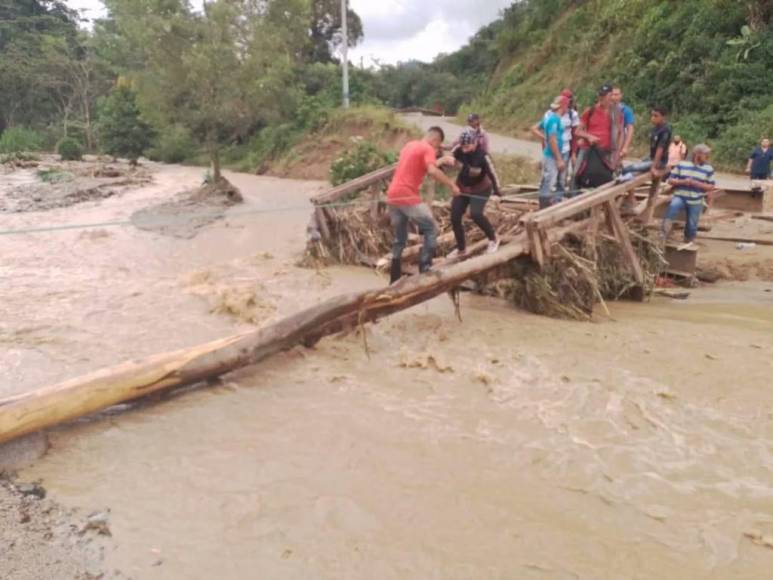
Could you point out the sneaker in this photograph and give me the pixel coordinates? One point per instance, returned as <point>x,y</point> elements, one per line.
<point>493,246</point>
<point>687,246</point>
<point>456,254</point>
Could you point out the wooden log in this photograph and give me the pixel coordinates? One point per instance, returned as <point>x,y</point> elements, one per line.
<point>71,399</point>
<point>757,241</point>
<point>623,237</point>
<point>334,194</point>
<point>566,209</point>
<point>763,216</point>
<point>515,246</point>
<point>322,222</point>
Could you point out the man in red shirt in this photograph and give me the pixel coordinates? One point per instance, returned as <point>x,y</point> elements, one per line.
<point>596,130</point>
<point>417,159</point>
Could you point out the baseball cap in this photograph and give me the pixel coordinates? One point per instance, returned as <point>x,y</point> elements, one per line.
<point>468,136</point>
<point>605,89</point>
<point>559,101</point>
<point>473,117</point>
<point>567,93</point>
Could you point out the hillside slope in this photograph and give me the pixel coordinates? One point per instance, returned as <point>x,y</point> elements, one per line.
<point>710,62</point>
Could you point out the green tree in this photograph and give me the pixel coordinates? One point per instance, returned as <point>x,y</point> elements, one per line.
<point>26,27</point>
<point>325,29</point>
<point>222,73</point>
<point>122,130</point>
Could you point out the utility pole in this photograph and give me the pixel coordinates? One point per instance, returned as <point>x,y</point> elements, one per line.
<point>345,31</point>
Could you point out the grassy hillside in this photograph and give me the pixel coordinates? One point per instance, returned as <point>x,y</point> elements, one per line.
<point>709,61</point>
<point>344,131</point>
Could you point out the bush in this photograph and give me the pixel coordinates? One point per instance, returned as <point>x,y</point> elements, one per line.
<point>272,142</point>
<point>20,139</point>
<point>735,144</point>
<point>363,158</point>
<point>54,175</point>
<point>174,145</point>
<point>69,149</point>
<point>122,129</point>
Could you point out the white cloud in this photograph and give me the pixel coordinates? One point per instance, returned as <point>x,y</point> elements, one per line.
<point>401,30</point>
<point>396,30</point>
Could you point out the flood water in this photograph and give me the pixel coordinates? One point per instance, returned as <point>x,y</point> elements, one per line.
<point>508,446</point>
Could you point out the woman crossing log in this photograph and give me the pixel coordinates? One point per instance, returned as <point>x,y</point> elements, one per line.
<point>477,181</point>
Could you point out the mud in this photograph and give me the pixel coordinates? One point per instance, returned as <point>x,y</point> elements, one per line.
<point>41,540</point>
<point>68,183</point>
<point>190,211</point>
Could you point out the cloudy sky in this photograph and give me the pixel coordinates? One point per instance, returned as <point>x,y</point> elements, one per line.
<point>398,30</point>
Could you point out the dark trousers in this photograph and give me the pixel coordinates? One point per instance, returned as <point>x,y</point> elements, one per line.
<point>476,203</point>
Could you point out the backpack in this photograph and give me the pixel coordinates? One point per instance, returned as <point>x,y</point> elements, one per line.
<point>594,171</point>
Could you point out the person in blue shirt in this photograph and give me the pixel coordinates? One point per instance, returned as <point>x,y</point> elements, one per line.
<point>629,121</point>
<point>759,161</point>
<point>692,181</point>
<point>550,131</point>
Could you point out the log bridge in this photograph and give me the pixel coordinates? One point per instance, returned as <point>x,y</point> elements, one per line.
<point>540,230</point>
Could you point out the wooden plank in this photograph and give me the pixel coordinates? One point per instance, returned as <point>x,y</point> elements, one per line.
<point>623,237</point>
<point>334,194</point>
<point>745,200</point>
<point>322,222</point>
<point>535,243</point>
<point>758,241</point>
<point>681,260</point>
<point>566,209</point>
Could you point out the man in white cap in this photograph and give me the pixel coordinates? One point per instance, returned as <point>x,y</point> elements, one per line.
<point>550,131</point>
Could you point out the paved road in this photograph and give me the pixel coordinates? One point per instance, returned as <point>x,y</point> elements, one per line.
<point>498,143</point>
<point>511,146</point>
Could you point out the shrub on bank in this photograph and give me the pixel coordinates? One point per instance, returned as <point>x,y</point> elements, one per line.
<point>173,145</point>
<point>20,139</point>
<point>69,149</point>
<point>363,158</point>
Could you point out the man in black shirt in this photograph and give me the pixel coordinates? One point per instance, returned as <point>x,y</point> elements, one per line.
<point>660,140</point>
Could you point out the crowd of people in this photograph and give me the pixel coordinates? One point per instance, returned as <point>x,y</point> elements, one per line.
<point>580,151</point>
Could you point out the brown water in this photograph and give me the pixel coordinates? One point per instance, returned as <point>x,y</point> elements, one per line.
<point>506,447</point>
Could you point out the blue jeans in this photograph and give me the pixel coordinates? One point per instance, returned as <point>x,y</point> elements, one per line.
<point>562,175</point>
<point>549,177</point>
<point>693,211</point>
<point>421,215</point>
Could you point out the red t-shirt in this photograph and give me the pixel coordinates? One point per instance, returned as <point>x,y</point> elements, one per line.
<point>415,159</point>
<point>600,126</point>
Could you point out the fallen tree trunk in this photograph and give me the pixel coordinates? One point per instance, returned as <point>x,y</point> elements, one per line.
<point>75,398</point>
<point>50,406</point>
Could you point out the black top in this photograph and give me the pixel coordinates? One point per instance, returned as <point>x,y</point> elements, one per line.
<point>660,137</point>
<point>477,171</point>
<point>761,161</point>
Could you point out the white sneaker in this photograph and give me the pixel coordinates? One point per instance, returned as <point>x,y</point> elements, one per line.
<point>493,246</point>
<point>455,254</point>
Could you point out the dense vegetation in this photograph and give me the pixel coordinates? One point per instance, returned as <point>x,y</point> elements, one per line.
<point>158,77</point>
<point>710,62</point>
<point>243,81</point>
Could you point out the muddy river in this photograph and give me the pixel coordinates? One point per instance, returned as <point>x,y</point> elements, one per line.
<point>508,446</point>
